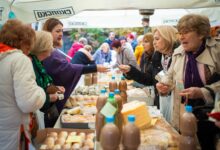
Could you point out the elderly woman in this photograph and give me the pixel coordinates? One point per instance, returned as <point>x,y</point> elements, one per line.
<point>195,65</point>
<point>42,49</point>
<point>103,54</point>
<point>19,93</point>
<point>164,41</point>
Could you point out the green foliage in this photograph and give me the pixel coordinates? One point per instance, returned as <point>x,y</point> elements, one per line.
<point>96,36</point>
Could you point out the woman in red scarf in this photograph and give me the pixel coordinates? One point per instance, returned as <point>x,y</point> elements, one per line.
<point>19,93</point>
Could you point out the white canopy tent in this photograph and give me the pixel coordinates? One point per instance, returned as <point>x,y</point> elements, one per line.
<point>171,16</point>
<point>104,19</point>
<point>36,10</point>
<point>132,18</point>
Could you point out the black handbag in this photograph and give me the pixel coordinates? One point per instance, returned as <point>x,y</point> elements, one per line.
<point>51,116</point>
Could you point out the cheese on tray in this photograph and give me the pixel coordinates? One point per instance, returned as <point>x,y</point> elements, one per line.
<point>140,110</point>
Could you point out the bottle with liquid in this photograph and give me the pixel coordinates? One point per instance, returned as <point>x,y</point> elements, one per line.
<point>188,129</point>
<point>122,84</point>
<point>88,79</point>
<point>110,136</point>
<point>100,118</point>
<point>124,96</point>
<point>113,84</point>
<point>131,135</point>
<point>111,99</point>
<point>118,100</point>
<point>94,78</point>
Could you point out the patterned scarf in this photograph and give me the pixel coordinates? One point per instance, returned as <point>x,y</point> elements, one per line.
<point>42,78</point>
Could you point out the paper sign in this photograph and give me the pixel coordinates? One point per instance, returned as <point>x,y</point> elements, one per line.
<point>108,110</point>
<point>74,139</point>
<point>49,13</point>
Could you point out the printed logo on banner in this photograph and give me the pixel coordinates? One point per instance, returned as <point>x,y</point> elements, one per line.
<point>45,14</point>
<point>1,13</point>
<point>77,23</point>
<point>169,21</point>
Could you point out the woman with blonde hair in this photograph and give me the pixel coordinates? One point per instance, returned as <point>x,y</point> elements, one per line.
<point>19,93</point>
<point>42,49</point>
<point>196,64</point>
<point>164,41</point>
<point>103,54</point>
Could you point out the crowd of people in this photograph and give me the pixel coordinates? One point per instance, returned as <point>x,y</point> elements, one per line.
<point>182,63</point>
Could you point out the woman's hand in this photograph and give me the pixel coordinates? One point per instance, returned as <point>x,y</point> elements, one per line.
<point>61,89</point>
<point>124,68</point>
<point>217,123</point>
<point>53,97</point>
<point>192,93</point>
<point>101,68</point>
<point>162,88</point>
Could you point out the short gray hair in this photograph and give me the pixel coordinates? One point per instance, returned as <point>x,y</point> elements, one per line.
<point>83,40</point>
<point>44,42</point>
<point>195,22</point>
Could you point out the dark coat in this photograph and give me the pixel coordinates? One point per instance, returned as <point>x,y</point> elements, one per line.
<point>81,58</point>
<point>150,66</point>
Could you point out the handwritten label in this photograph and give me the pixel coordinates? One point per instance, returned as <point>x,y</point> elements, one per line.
<point>74,139</point>
<point>108,110</point>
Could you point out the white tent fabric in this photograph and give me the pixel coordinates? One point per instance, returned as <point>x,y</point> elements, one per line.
<point>132,18</point>
<point>104,19</point>
<point>171,16</point>
<point>36,10</point>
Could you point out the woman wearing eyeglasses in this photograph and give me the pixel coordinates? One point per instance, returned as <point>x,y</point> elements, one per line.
<point>196,65</point>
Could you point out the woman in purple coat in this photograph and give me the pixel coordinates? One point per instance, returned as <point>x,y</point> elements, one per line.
<point>64,73</point>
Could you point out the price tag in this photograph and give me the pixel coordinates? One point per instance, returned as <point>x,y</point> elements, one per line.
<point>74,139</point>
<point>108,110</point>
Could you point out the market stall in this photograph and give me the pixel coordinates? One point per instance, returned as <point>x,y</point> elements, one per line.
<point>156,134</point>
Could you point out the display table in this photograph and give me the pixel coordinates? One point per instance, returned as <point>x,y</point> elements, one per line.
<point>160,136</point>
